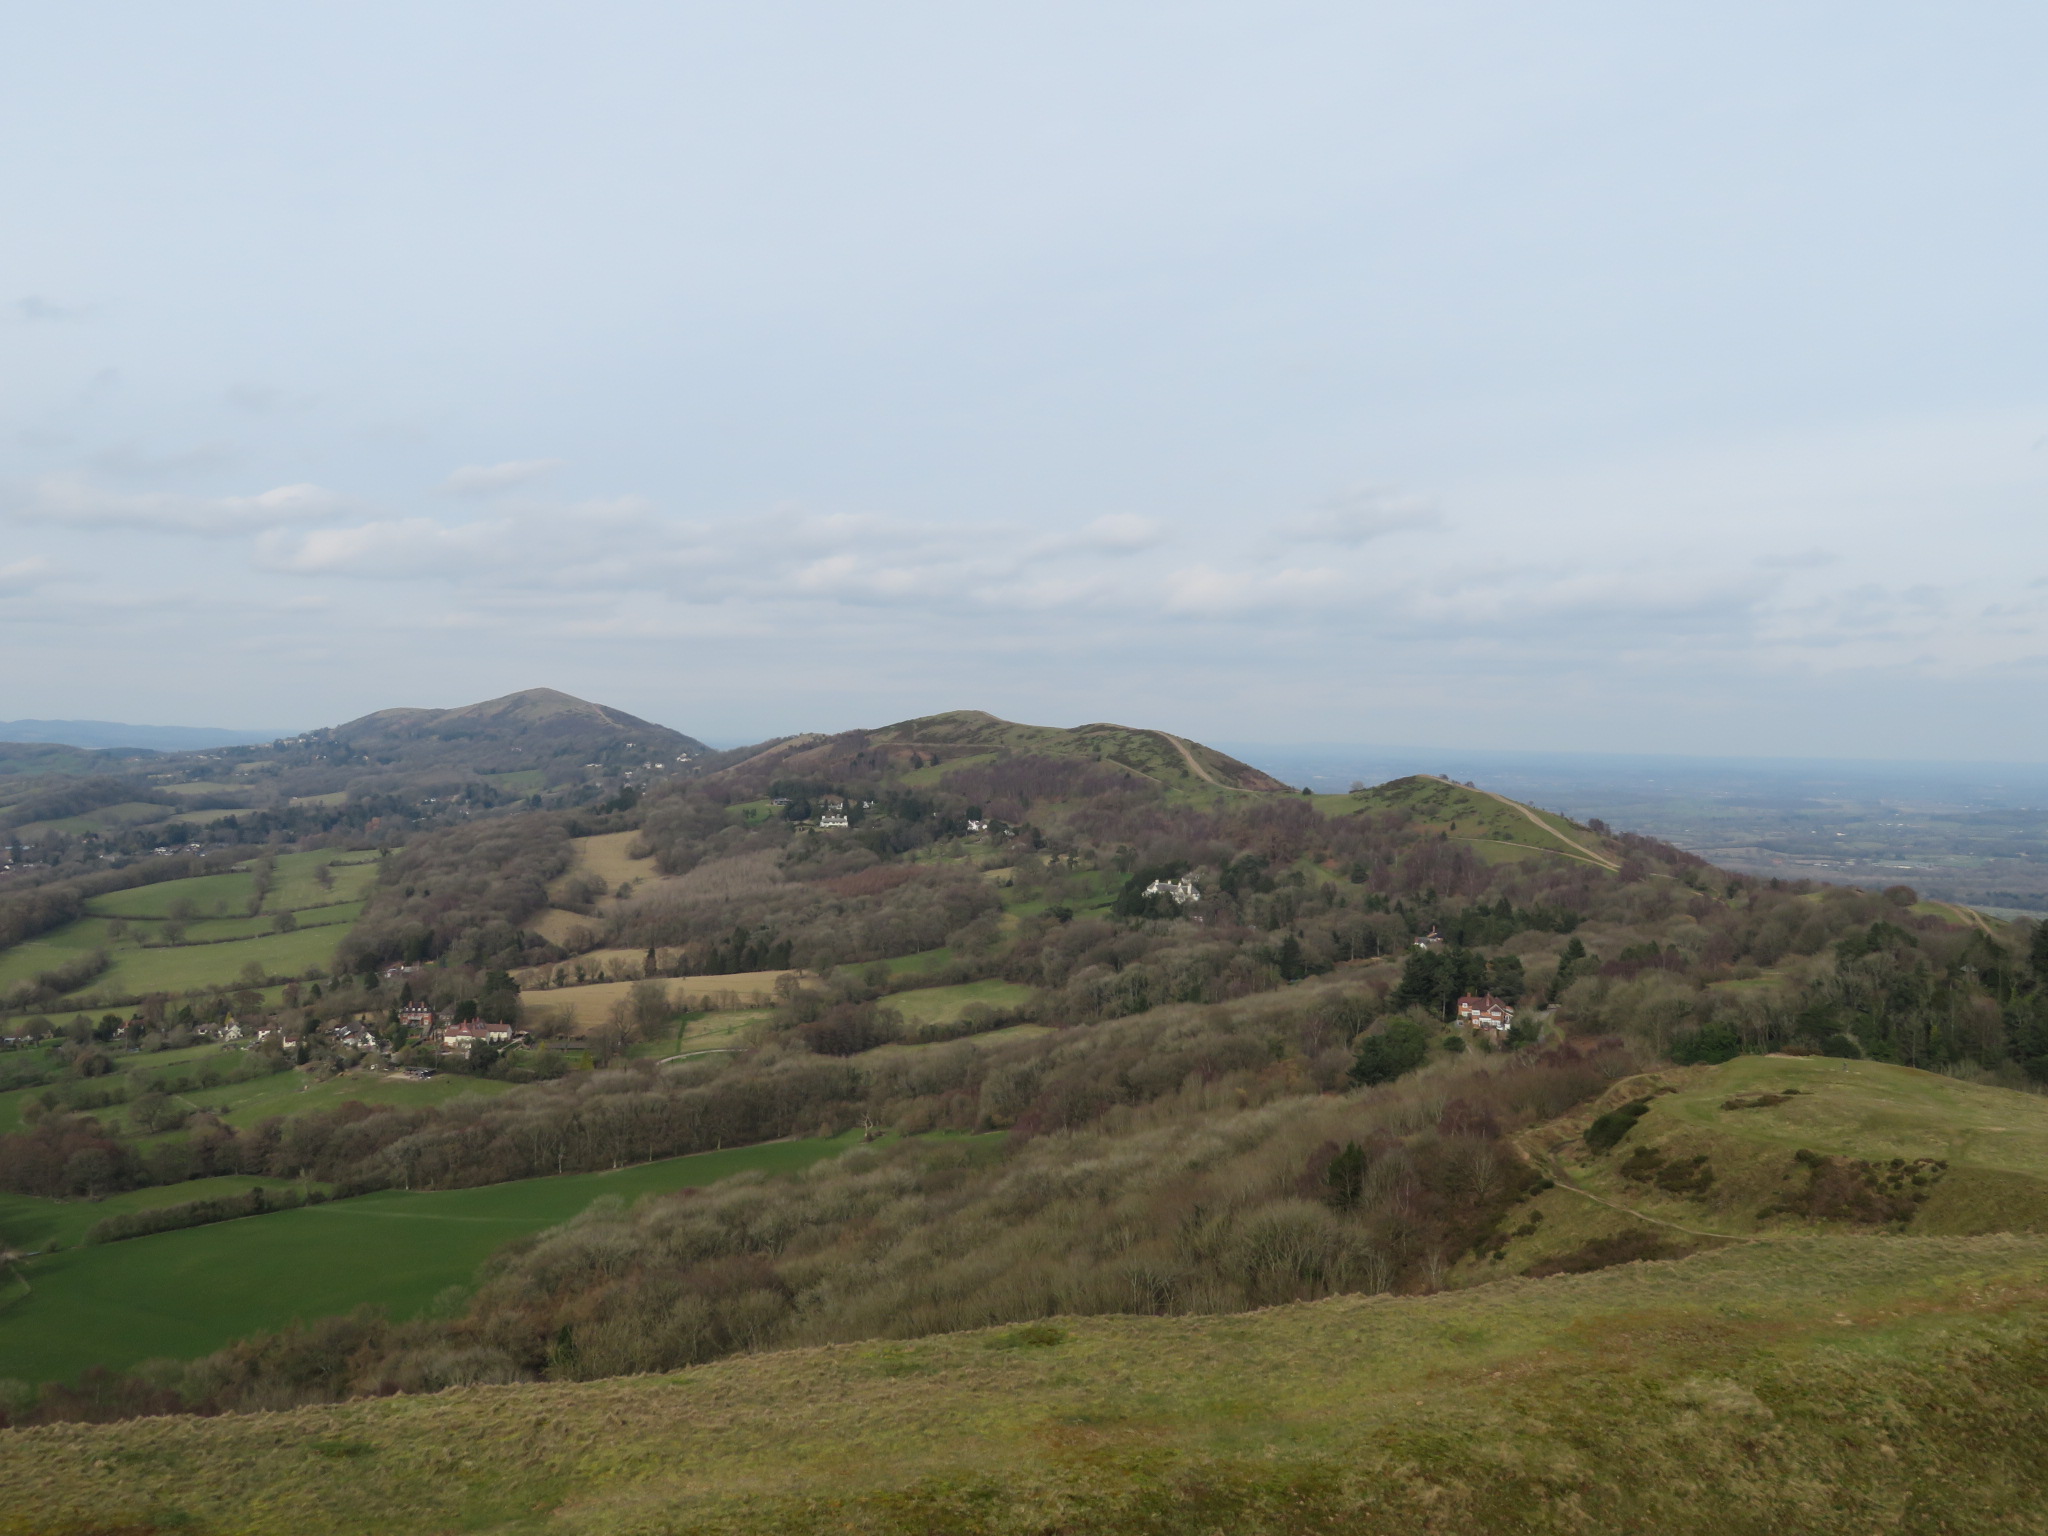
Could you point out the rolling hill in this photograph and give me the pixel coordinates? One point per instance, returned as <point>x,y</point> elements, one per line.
<point>936,745</point>
<point>1821,1376</point>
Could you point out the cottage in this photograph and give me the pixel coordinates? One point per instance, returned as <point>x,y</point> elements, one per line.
<point>977,826</point>
<point>1485,1012</point>
<point>1184,892</point>
<point>1430,940</point>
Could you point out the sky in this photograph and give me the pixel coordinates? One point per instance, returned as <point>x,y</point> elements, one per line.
<point>1583,377</point>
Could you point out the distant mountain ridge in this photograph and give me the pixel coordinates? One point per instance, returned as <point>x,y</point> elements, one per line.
<point>101,735</point>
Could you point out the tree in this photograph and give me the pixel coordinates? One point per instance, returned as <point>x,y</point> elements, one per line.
<point>1398,1049</point>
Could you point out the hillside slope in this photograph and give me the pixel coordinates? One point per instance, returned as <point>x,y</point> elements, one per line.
<point>1827,1384</point>
<point>1824,1372</point>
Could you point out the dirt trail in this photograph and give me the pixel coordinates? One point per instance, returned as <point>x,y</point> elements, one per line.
<point>1194,767</point>
<point>1564,1180</point>
<point>1515,805</point>
<point>1969,916</point>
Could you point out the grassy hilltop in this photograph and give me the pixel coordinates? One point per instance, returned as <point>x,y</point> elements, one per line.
<point>1821,1375</point>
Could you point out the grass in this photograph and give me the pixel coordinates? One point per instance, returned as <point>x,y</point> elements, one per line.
<point>1467,815</point>
<point>1994,1141</point>
<point>1826,1385</point>
<point>189,1292</point>
<point>222,938</point>
<point>29,1222</point>
<point>943,1005</point>
<point>285,1094</point>
<point>108,818</point>
<point>208,894</point>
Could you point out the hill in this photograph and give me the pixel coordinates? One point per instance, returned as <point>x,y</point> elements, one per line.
<point>369,781</point>
<point>530,729</point>
<point>1822,1375</point>
<point>932,747</point>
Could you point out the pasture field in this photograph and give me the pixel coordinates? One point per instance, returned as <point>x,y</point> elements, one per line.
<point>295,886</point>
<point>923,960</point>
<point>27,1222</point>
<point>295,1093</point>
<point>223,938</point>
<point>108,818</point>
<point>189,1292</point>
<point>589,1005</point>
<point>944,1005</point>
<point>208,895</point>
<point>560,926</point>
<point>1828,1385</point>
<point>181,969</point>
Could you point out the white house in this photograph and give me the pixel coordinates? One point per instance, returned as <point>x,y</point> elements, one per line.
<point>833,819</point>
<point>1185,892</point>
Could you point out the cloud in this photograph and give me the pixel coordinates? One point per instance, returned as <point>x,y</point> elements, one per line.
<point>77,504</point>
<point>36,308</point>
<point>1123,531</point>
<point>24,576</point>
<point>484,479</point>
<point>415,546</point>
<point>1362,516</point>
<point>1203,591</point>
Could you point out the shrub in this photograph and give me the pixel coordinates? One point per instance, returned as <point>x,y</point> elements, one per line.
<point>1605,1133</point>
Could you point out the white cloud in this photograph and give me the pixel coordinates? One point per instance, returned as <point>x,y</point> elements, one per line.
<point>485,479</point>
<point>78,504</point>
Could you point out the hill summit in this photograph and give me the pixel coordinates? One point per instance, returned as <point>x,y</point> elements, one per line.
<point>523,729</point>
<point>962,737</point>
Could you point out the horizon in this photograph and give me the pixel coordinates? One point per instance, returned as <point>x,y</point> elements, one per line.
<point>1303,751</point>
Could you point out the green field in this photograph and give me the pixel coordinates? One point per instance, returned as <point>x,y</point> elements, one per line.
<point>1828,1386</point>
<point>292,1093</point>
<point>29,1223</point>
<point>943,1005</point>
<point>221,936</point>
<point>186,1293</point>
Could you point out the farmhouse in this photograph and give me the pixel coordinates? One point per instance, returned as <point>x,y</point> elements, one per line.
<point>464,1038</point>
<point>1430,940</point>
<point>1485,1012</point>
<point>1185,892</point>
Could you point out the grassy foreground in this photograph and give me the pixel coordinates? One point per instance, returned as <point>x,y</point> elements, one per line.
<point>1817,1385</point>
<point>189,1292</point>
